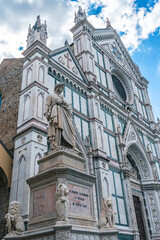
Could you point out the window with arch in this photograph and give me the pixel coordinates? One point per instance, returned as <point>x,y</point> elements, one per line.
<point>107,119</point>
<point>99,58</point>
<point>118,198</point>
<point>110,146</point>
<point>21,178</point>
<point>101,76</point>
<point>82,126</point>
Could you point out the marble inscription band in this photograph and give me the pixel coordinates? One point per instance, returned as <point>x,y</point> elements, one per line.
<point>79,200</point>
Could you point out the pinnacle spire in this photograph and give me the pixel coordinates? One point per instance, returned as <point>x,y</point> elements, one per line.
<point>37,32</point>
<point>80,15</point>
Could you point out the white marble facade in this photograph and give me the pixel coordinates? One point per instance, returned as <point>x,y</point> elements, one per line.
<point>123,165</point>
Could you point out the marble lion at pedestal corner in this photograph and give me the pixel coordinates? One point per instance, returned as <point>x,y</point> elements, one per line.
<point>62,203</point>
<point>14,219</point>
<point>107,213</point>
<point>58,113</point>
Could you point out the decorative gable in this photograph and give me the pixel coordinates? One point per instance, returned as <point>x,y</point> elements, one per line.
<point>114,50</point>
<point>68,63</point>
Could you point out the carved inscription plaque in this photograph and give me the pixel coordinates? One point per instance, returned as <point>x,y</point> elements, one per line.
<point>44,201</point>
<point>79,201</point>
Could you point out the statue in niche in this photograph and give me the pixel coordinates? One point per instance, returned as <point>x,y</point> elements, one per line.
<point>58,113</point>
<point>14,219</point>
<point>107,214</point>
<point>62,203</point>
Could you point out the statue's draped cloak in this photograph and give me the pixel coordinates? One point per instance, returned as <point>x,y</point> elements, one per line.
<point>59,112</point>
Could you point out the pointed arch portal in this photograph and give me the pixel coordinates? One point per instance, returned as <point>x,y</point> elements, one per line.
<point>139,170</point>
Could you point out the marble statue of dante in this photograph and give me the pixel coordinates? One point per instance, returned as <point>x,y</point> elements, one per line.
<point>58,112</point>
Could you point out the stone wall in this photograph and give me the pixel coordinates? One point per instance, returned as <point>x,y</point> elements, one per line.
<point>10,84</point>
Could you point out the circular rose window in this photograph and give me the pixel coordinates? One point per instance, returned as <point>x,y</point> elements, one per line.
<point>119,88</point>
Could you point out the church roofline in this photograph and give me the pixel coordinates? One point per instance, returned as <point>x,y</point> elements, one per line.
<point>10,60</point>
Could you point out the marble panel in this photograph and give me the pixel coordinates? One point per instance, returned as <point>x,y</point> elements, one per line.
<point>44,201</point>
<point>79,200</point>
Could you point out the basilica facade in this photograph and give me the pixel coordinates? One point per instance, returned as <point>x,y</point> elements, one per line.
<point>115,127</point>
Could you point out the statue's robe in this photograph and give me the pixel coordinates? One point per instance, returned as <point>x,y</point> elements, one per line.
<point>59,118</point>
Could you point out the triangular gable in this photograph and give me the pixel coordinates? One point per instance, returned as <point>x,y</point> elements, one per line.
<point>66,59</point>
<point>114,50</point>
<point>131,136</point>
<point>112,43</point>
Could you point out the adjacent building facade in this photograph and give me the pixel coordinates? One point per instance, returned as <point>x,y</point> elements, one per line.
<point>113,117</point>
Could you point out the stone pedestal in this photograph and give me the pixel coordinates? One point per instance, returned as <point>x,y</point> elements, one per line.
<point>62,157</point>
<point>68,167</point>
<point>67,232</point>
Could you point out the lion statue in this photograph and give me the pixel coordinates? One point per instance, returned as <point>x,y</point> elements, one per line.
<point>107,213</point>
<point>14,218</point>
<point>62,203</point>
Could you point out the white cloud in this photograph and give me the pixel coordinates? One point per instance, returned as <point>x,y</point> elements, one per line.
<point>16,15</point>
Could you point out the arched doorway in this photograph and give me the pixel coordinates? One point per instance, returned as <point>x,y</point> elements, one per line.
<point>3,201</point>
<point>138,171</point>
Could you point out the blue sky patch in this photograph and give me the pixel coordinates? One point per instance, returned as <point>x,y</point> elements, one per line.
<point>121,34</point>
<point>74,0</point>
<point>94,10</point>
<point>20,48</point>
<point>147,4</point>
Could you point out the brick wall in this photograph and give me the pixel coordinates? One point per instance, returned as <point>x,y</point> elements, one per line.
<point>10,84</point>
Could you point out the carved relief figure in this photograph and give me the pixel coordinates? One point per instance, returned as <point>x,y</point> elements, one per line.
<point>107,213</point>
<point>58,113</point>
<point>14,219</point>
<point>62,203</point>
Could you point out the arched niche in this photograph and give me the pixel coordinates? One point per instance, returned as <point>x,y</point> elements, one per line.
<point>41,74</point>
<point>26,107</point>
<point>105,185</point>
<point>40,105</point>
<point>29,76</point>
<point>97,112</point>
<point>100,137</point>
<point>36,167</point>
<point>21,178</point>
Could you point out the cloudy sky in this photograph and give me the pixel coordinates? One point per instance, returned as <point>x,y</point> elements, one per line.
<point>137,22</point>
